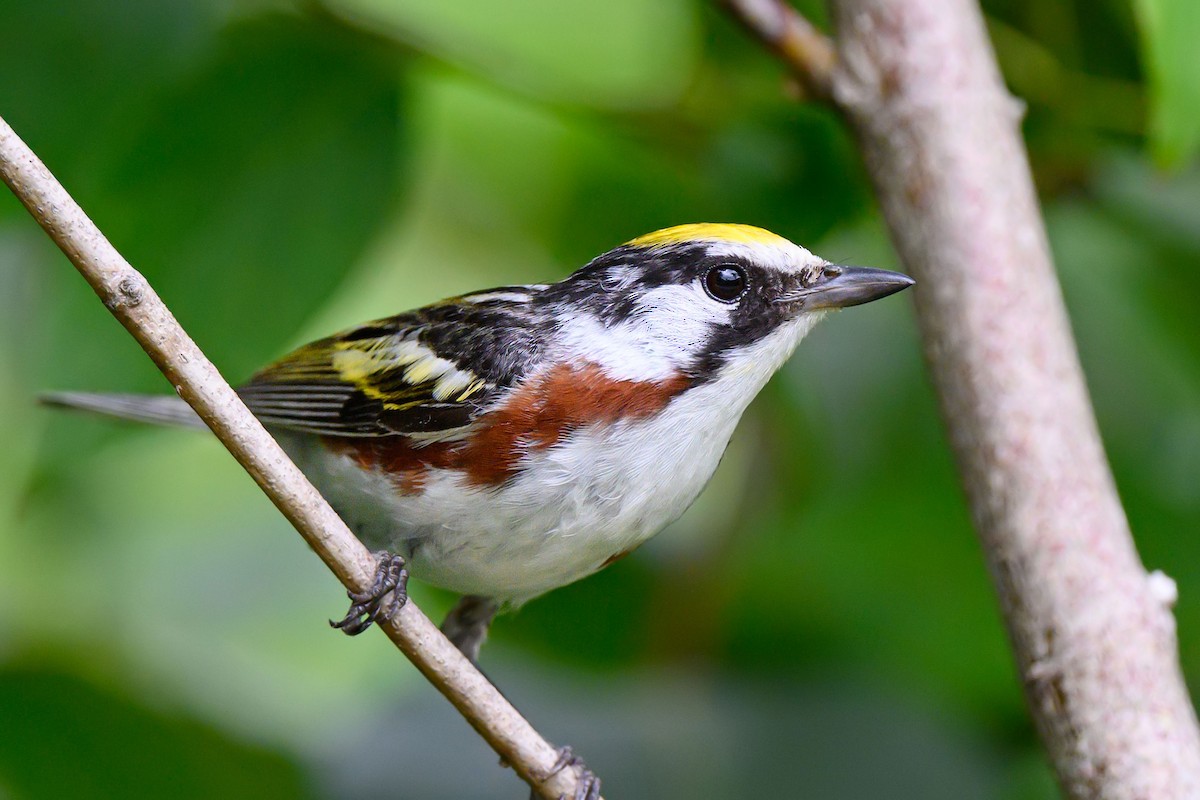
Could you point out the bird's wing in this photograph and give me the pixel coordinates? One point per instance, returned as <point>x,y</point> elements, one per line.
<point>425,373</point>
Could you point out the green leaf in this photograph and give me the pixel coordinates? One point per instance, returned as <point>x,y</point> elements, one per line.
<point>68,737</point>
<point>255,185</point>
<point>243,170</point>
<point>620,53</point>
<point>1170,30</point>
<point>79,74</point>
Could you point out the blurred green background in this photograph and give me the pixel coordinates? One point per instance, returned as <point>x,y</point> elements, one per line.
<point>820,625</point>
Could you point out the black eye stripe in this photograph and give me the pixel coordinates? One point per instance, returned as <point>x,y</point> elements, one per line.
<point>725,282</point>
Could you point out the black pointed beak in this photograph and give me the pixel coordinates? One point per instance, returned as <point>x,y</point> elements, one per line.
<point>841,287</point>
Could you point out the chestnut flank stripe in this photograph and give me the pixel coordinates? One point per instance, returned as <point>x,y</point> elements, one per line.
<point>537,415</point>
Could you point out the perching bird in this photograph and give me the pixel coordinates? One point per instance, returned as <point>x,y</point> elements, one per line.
<point>511,441</point>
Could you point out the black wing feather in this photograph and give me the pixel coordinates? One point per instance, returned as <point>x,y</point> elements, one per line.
<point>362,382</point>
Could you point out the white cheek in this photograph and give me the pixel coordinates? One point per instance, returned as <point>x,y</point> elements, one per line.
<point>658,339</point>
<point>679,319</point>
<point>621,350</point>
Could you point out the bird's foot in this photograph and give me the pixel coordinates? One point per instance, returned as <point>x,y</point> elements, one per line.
<point>391,578</point>
<point>588,786</point>
<point>467,624</point>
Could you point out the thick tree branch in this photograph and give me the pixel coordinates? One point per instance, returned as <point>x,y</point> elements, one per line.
<point>1093,634</point>
<point>131,300</point>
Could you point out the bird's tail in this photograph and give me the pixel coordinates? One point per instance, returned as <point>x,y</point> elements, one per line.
<point>156,409</point>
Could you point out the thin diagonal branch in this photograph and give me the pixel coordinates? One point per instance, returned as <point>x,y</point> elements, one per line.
<point>1092,632</point>
<point>808,53</point>
<point>131,300</point>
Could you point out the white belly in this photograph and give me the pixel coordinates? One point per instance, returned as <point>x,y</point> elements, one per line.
<point>593,496</point>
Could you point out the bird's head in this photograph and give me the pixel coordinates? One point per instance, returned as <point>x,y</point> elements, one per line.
<point>707,301</point>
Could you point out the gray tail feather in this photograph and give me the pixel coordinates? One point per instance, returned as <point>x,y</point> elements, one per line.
<point>158,409</point>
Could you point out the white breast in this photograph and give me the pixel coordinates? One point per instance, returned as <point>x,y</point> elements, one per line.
<point>594,495</point>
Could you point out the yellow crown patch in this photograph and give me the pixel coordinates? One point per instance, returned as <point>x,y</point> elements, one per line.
<point>709,231</point>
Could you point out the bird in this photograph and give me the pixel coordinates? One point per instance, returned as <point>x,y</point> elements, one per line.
<point>506,442</point>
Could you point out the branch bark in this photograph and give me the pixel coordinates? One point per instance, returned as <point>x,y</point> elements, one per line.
<point>131,300</point>
<point>1093,634</point>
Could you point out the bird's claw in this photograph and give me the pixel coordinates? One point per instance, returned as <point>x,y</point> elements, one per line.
<point>391,578</point>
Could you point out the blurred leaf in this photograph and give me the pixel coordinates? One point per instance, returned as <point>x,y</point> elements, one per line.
<point>65,737</point>
<point>78,74</point>
<point>79,77</point>
<point>18,351</point>
<point>598,623</point>
<point>256,183</point>
<point>616,53</point>
<point>1170,30</point>
<point>791,171</point>
<point>236,627</point>
<point>243,191</point>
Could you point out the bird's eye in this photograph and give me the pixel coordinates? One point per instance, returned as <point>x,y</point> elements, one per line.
<point>726,282</point>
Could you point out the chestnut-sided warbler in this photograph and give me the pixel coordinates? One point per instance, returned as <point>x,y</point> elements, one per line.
<point>511,441</point>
